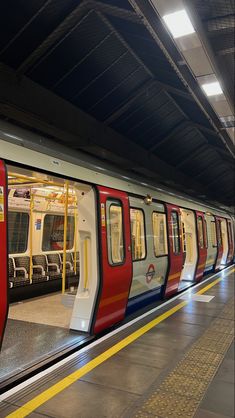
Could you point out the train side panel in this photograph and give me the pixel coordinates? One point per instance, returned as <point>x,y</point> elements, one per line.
<point>3,251</point>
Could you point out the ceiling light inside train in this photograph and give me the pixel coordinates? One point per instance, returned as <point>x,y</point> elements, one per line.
<point>212,89</point>
<point>179,23</point>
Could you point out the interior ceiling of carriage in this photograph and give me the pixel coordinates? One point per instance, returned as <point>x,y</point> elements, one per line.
<point>105,77</point>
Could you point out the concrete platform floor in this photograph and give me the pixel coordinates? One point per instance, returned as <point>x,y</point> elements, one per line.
<point>119,386</point>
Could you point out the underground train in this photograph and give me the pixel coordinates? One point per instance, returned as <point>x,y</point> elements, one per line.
<point>123,243</point>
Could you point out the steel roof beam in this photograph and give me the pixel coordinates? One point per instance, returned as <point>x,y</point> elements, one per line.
<point>218,66</point>
<point>22,29</point>
<point>216,179</point>
<point>28,103</point>
<point>115,11</point>
<point>208,167</point>
<point>155,26</point>
<point>193,154</point>
<point>219,23</point>
<point>56,36</point>
<point>177,129</point>
<point>226,51</point>
<point>132,98</point>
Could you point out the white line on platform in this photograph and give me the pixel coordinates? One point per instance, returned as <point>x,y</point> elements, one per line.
<point>38,376</point>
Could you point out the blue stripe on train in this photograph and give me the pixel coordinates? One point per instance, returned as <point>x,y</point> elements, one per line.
<point>142,300</point>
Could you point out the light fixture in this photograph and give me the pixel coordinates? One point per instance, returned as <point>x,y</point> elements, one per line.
<point>148,199</point>
<point>179,23</point>
<point>212,89</point>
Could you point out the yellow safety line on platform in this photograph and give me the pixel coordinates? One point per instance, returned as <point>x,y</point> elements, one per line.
<point>54,390</point>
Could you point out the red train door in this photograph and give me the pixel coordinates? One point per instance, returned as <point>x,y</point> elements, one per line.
<point>230,241</point>
<point>201,245</point>
<point>176,258</point>
<point>116,260</point>
<point>3,251</point>
<point>219,243</point>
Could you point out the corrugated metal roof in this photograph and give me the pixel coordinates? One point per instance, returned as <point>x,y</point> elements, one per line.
<point>100,57</point>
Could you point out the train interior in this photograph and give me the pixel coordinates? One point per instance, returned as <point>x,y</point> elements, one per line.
<point>189,247</point>
<point>45,228</point>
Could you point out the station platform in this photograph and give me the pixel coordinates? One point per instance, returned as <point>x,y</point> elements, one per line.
<point>175,361</point>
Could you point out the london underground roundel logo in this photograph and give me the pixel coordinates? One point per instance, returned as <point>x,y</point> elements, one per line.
<point>150,273</point>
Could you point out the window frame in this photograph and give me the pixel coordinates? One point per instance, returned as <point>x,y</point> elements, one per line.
<point>218,228</point>
<point>27,234</point>
<point>51,250</point>
<point>229,229</point>
<point>206,242</point>
<point>178,226</point>
<point>167,238</point>
<point>145,237</point>
<point>114,202</point>
<point>215,235</point>
<point>200,218</point>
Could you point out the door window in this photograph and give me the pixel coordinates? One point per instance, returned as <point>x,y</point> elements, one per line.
<point>200,232</point>
<point>137,234</point>
<point>229,233</point>
<point>213,234</point>
<point>219,235</point>
<point>159,234</point>
<point>206,234</point>
<point>115,236</point>
<point>175,233</point>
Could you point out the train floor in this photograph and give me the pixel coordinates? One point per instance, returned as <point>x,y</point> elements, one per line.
<point>176,361</point>
<point>37,330</point>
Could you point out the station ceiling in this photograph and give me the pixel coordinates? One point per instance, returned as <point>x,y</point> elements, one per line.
<point>105,77</point>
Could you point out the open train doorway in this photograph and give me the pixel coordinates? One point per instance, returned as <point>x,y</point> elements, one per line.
<point>189,248</point>
<point>49,218</point>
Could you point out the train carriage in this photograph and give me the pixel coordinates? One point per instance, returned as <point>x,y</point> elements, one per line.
<point>113,244</point>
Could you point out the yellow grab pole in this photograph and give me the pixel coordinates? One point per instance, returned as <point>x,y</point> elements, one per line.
<point>65,234</point>
<point>86,264</point>
<point>75,241</point>
<point>31,237</point>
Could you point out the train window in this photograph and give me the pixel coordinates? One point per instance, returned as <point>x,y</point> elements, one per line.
<point>229,233</point>
<point>219,235</point>
<point>53,233</point>
<point>18,226</point>
<point>115,233</point>
<point>175,232</point>
<point>137,234</point>
<point>213,234</point>
<point>206,234</point>
<point>200,232</point>
<point>159,234</point>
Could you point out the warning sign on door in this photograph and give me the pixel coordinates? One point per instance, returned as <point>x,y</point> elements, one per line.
<point>1,204</point>
<point>102,214</point>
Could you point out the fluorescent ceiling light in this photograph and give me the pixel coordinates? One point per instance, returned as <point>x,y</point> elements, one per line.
<point>212,89</point>
<point>179,23</point>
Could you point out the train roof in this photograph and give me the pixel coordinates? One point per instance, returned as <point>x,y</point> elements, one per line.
<point>33,151</point>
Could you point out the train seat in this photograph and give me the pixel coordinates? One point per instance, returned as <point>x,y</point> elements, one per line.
<point>53,266</point>
<point>69,263</point>
<point>21,270</point>
<point>40,273</point>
